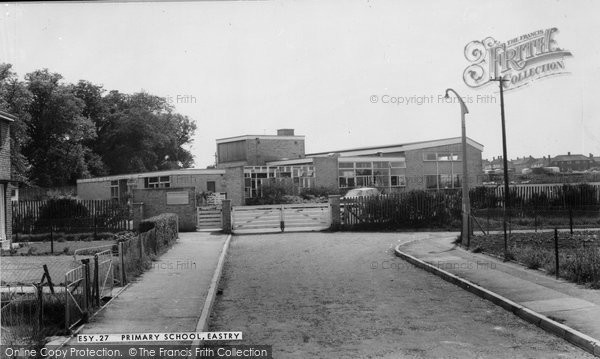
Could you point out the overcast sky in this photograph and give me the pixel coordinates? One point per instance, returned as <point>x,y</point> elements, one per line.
<point>251,67</point>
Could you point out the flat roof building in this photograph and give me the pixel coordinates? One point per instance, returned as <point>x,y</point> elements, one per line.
<point>246,163</point>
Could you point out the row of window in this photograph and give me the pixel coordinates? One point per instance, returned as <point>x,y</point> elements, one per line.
<point>301,176</point>
<point>380,173</point>
<point>441,156</point>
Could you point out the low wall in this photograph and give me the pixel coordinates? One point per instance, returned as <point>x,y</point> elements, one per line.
<point>150,202</point>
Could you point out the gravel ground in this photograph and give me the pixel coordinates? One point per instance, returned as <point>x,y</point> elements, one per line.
<point>345,295</point>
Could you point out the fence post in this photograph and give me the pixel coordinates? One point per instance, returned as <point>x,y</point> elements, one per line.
<point>40,302</point>
<point>67,306</point>
<point>556,250</point>
<point>96,281</point>
<point>281,219</point>
<point>51,239</point>
<point>334,206</point>
<point>86,285</point>
<point>95,227</point>
<point>122,264</point>
<point>141,246</point>
<point>571,219</point>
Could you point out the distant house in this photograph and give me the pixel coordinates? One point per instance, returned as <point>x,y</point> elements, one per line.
<point>496,165</point>
<point>523,164</point>
<point>569,162</point>
<point>5,179</point>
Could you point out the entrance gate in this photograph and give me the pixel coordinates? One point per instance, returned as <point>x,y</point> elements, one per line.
<point>279,218</point>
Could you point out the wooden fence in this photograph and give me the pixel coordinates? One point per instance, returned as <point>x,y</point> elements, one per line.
<point>69,216</point>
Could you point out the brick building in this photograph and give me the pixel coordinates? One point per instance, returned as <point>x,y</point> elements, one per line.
<point>5,180</point>
<point>245,163</point>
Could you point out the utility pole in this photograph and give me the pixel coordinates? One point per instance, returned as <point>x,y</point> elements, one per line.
<point>505,164</point>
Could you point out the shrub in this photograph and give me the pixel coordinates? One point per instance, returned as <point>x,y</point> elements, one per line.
<point>65,213</point>
<point>166,229</point>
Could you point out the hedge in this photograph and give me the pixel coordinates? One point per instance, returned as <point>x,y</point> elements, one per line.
<point>165,226</point>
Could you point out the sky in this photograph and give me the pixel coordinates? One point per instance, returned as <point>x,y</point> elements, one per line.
<point>328,69</point>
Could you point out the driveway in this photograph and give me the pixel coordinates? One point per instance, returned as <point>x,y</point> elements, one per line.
<point>345,295</point>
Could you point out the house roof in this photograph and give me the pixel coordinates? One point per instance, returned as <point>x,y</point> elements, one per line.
<point>7,116</point>
<point>400,147</point>
<point>561,158</point>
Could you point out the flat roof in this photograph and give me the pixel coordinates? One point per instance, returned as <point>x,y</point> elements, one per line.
<point>400,147</point>
<point>186,171</point>
<point>259,137</point>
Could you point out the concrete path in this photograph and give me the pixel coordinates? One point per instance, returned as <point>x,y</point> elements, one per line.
<point>167,298</point>
<point>559,300</point>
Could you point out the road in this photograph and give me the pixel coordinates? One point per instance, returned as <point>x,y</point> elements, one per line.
<point>345,295</point>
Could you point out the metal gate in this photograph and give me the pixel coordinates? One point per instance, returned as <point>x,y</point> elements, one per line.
<point>75,297</point>
<point>103,276</point>
<point>279,218</point>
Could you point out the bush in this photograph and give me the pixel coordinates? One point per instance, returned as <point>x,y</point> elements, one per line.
<point>63,213</point>
<point>166,229</point>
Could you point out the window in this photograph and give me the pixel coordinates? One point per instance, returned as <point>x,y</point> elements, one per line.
<point>376,173</point>
<point>441,156</point>
<point>301,176</point>
<point>157,182</point>
<point>114,189</point>
<point>398,181</point>
<point>211,186</point>
<point>431,181</point>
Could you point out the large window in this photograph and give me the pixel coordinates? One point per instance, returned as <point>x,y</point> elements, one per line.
<point>301,176</point>
<point>157,182</point>
<point>373,173</point>
<point>442,181</point>
<point>441,156</point>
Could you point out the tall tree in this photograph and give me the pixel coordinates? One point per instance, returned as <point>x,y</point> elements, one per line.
<point>15,99</point>
<point>58,131</point>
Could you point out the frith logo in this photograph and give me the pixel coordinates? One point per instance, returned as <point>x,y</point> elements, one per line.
<point>519,61</point>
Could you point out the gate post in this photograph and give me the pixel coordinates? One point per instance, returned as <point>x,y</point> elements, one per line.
<point>226,215</point>
<point>334,206</point>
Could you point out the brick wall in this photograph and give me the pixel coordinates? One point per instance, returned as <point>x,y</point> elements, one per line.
<point>326,172</point>
<point>4,151</point>
<point>262,150</point>
<point>155,202</point>
<point>5,177</point>
<point>417,168</point>
<point>233,181</point>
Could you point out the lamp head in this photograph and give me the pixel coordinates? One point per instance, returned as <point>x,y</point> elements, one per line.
<point>447,95</point>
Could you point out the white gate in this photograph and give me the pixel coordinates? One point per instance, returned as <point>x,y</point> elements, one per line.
<point>209,218</point>
<point>279,218</point>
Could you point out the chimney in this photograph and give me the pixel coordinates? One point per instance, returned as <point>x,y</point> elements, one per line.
<point>591,156</point>
<point>569,153</point>
<point>285,132</point>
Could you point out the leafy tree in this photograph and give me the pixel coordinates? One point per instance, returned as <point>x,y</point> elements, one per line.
<point>15,99</point>
<point>58,131</point>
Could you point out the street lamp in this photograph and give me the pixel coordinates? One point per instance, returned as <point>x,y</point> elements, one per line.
<point>505,164</point>
<point>466,205</point>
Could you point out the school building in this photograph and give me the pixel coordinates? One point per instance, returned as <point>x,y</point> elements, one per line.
<point>245,163</point>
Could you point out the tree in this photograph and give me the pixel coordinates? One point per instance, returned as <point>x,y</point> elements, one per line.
<point>58,130</point>
<point>141,133</point>
<point>15,99</point>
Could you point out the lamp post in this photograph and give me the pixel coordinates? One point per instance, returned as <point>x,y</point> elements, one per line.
<point>505,164</point>
<point>466,205</point>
